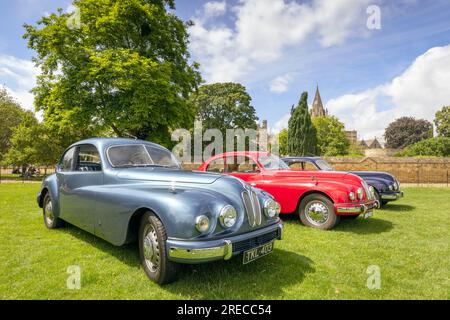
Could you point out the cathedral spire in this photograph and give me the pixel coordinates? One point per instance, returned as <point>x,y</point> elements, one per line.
<point>317,107</point>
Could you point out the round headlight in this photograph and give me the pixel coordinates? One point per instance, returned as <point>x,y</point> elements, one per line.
<point>202,223</point>
<point>272,208</point>
<point>352,196</point>
<point>360,193</point>
<point>391,187</point>
<point>227,216</point>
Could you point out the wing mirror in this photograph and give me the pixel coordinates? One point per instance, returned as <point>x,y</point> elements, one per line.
<point>58,168</point>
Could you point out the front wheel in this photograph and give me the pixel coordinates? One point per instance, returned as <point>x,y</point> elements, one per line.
<point>381,202</point>
<point>317,211</point>
<point>50,221</point>
<point>152,250</point>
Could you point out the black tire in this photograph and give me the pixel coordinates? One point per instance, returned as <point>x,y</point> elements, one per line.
<point>328,222</point>
<point>378,198</point>
<point>50,221</point>
<point>157,265</point>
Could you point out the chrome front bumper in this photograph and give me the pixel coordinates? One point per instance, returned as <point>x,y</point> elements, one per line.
<point>206,251</point>
<point>358,209</point>
<point>392,196</point>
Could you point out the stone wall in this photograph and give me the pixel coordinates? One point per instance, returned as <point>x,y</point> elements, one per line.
<point>407,170</point>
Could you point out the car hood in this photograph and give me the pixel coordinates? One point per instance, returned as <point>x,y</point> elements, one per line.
<point>374,175</point>
<point>319,175</point>
<point>167,175</point>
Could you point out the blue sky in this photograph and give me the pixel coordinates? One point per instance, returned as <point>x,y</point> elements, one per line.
<point>278,49</point>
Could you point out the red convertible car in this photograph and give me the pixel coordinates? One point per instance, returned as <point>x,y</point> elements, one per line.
<point>319,197</point>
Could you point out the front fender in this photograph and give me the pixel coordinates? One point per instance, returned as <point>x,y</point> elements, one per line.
<point>50,184</point>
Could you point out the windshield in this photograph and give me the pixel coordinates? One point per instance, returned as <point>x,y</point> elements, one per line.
<point>272,162</point>
<point>323,165</point>
<point>141,156</point>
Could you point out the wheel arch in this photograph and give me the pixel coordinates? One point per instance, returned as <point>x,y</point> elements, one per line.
<point>44,192</point>
<point>134,223</point>
<point>304,195</point>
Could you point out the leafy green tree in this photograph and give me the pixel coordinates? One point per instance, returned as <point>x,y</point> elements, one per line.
<point>302,138</point>
<point>125,67</point>
<point>442,122</point>
<point>224,106</point>
<point>12,116</point>
<point>283,142</point>
<point>406,131</point>
<point>433,147</point>
<point>331,137</point>
<point>38,144</point>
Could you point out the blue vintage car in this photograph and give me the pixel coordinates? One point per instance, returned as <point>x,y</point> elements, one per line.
<point>387,187</point>
<point>125,190</point>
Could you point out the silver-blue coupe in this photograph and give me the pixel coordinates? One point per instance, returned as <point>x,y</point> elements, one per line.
<point>125,190</point>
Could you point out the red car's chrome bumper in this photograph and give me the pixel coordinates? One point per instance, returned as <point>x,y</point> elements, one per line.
<point>355,208</point>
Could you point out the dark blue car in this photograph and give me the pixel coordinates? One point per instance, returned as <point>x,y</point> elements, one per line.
<point>387,187</point>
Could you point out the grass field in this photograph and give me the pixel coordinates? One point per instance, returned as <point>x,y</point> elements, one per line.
<point>408,241</point>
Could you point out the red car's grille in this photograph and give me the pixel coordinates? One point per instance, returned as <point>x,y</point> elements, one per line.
<point>252,207</point>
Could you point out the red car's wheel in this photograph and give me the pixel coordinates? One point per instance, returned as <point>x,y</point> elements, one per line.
<point>317,211</point>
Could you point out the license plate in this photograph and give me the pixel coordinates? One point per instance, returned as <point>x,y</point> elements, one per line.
<point>367,215</point>
<point>258,252</point>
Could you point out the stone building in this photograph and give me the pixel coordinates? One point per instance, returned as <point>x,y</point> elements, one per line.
<point>317,107</point>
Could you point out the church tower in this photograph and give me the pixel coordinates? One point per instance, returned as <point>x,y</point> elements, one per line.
<point>317,106</point>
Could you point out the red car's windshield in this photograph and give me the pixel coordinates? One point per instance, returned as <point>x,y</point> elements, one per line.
<point>271,162</point>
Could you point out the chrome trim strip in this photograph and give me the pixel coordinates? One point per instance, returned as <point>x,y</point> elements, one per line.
<point>357,210</point>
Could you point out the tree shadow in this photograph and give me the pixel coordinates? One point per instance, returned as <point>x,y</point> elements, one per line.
<point>398,207</point>
<point>365,226</point>
<point>263,278</point>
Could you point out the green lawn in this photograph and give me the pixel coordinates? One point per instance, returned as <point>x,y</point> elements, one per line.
<point>409,241</point>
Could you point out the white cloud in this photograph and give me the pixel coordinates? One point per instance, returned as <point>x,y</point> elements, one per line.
<point>419,91</point>
<point>19,77</point>
<point>215,8</point>
<point>281,83</point>
<point>263,28</point>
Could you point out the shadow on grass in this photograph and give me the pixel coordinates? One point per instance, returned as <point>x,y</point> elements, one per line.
<point>265,277</point>
<point>358,226</point>
<point>398,207</point>
<point>128,254</point>
<point>362,226</point>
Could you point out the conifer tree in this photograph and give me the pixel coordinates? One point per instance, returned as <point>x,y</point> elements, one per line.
<point>302,137</point>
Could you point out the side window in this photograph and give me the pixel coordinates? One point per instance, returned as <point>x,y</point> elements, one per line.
<point>67,161</point>
<point>310,167</point>
<point>241,165</point>
<point>297,166</point>
<point>88,159</point>
<point>217,165</point>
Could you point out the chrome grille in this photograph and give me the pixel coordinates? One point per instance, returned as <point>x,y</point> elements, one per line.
<point>252,207</point>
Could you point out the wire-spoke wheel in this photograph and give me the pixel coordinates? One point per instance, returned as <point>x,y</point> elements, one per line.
<point>152,249</point>
<point>317,211</point>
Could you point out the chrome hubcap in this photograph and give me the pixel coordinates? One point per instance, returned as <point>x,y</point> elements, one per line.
<point>151,248</point>
<point>48,212</point>
<point>316,212</point>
